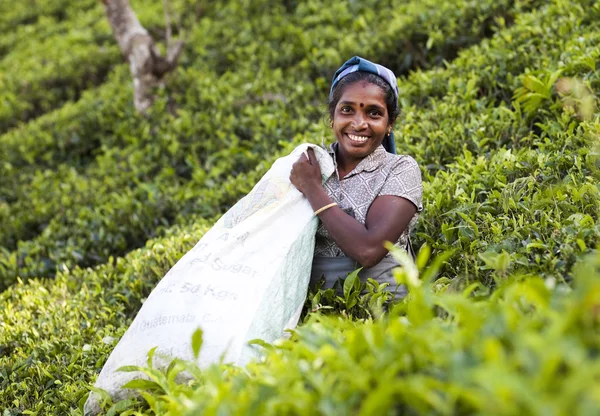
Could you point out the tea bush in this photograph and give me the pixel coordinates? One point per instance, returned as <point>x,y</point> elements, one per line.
<point>48,71</point>
<point>495,165</point>
<point>55,333</point>
<point>210,33</point>
<point>48,224</point>
<point>28,13</point>
<point>507,138</point>
<point>530,348</point>
<point>56,55</point>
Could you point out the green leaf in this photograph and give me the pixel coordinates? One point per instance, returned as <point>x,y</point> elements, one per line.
<point>352,301</point>
<point>503,261</point>
<point>349,282</point>
<point>150,400</point>
<point>431,272</point>
<point>131,368</point>
<point>407,273</point>
<point>423,256</point>
<point>142,384</point>
<point>471,288</point>
<point>197,342</point>
<point>121,406</point>
<point>261,343</point>
<point>500,262</point>
<point>151,357</point>
<point>104,396</point>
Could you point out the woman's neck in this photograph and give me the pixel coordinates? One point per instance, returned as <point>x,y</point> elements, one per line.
<point>345,163</point>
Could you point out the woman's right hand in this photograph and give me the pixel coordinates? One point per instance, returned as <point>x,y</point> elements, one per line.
<point>306,173</point>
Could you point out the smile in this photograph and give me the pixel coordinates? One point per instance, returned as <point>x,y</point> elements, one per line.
<point>357,139</point>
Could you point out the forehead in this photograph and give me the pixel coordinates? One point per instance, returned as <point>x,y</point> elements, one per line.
<point>363,92</point>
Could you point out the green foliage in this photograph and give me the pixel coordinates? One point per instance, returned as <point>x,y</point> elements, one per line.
<point>499,178</point>
<point>499,107</point>
<point>57,333</point>
<point>530,348</point>
<point>59,206</point>
<point>59,50</point>
<point>350,297</point>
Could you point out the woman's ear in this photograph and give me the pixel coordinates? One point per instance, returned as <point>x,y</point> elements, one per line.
<point>389,129</point>
<point>390,126</point>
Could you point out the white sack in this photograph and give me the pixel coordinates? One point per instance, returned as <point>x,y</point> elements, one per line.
<point>246,278</point>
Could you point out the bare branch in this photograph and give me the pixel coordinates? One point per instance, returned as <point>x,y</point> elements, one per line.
<point>167,23</point>
<point>147,65</point>
<point>173,53</point>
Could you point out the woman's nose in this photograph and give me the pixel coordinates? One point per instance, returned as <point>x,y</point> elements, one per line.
<point>359,122</point>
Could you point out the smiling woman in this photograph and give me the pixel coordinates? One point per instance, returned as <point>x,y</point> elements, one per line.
<point>375,195</point>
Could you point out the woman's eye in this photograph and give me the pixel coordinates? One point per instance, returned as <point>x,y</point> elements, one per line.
<point>375,113</point>
<point>345,109</point>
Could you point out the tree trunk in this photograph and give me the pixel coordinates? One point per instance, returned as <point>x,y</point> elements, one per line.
<point>147,66</point>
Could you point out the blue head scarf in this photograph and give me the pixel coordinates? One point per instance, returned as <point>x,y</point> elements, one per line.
<point>355,64</point>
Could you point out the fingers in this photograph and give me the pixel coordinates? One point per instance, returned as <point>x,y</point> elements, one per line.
<point>306,172</point>
<point>312,158</point>
<point>302,158</point>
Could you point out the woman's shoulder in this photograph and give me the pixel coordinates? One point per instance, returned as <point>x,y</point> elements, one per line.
<point>404,179</point>
<point>402,162</point>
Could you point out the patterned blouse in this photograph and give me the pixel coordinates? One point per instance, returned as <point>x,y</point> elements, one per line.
<point>380,173</point>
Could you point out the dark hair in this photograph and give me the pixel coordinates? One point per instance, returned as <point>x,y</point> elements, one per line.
<point>393,108</point>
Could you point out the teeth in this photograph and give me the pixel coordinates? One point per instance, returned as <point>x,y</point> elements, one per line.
<point>360,139</point>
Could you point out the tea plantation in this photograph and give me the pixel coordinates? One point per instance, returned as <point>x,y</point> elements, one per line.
<point>499,107</point>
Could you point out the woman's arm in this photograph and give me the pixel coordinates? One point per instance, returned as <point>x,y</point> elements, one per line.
<point>386,219</point>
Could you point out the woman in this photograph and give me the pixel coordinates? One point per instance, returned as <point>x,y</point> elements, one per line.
<point>375,195</point>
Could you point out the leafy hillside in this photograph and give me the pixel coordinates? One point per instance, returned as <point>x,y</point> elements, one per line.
<point>76,176</point>
<point>498,107</point>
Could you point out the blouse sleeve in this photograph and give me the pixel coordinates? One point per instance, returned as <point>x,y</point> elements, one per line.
<point>405,181</point>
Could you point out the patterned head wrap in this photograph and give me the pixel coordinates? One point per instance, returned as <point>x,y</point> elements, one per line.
<point>355,64</point>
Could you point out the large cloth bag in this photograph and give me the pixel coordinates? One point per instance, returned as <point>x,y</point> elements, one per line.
<point>246,278</point>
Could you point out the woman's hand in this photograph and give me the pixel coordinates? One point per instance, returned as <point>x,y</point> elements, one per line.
<point>306,173</point>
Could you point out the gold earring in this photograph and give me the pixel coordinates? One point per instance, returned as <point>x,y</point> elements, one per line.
<point>331,124</point>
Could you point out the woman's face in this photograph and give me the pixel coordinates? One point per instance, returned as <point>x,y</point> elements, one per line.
<point>360,119</point>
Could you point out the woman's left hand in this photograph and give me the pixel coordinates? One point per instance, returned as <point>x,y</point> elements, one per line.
<point>306,173</point>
